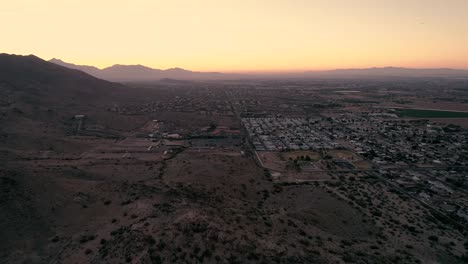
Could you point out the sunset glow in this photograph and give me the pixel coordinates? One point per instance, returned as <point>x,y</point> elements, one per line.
<point>214,35</point>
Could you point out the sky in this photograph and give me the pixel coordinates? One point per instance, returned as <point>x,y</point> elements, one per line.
<point>240,35</point>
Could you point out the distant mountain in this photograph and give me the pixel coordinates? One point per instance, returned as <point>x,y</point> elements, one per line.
<point>390,72</point>
<point>140,73</point>
<point>88,69</point>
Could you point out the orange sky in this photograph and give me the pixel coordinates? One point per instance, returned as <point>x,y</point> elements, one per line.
<point>240,35</point>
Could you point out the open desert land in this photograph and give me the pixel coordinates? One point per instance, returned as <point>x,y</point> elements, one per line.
<point>216,172</point>
<point>234,132</point>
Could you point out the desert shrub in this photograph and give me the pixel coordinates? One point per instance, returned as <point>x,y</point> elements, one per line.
<point>346,242</point>
<point>150,240</point>
<point>464,258</point>
<point>86,238</point>
<point>161,245</point>
<point>304,242</point>
<point>377,213</point>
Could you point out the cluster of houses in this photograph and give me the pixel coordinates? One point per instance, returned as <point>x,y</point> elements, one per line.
<point>276,134</point>
<point>386,142</point>
<point>389,142</point>
<point>428,159</point>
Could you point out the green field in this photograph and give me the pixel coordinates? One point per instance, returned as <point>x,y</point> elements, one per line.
<point>420,113</point>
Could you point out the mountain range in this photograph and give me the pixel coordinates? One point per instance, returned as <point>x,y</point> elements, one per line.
<point>140,73</point>
<point>392,72</point>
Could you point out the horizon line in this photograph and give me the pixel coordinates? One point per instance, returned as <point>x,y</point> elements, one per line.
<point>277,71</point>
<point>268,71</point>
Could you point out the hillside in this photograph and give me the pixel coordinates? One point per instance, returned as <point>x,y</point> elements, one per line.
<point>90,173</point>
<point>48,81</point>
<point>38,104</point>
<point>38,94</point>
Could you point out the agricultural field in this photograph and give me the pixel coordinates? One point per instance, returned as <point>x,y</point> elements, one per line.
<point>423,113</point>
